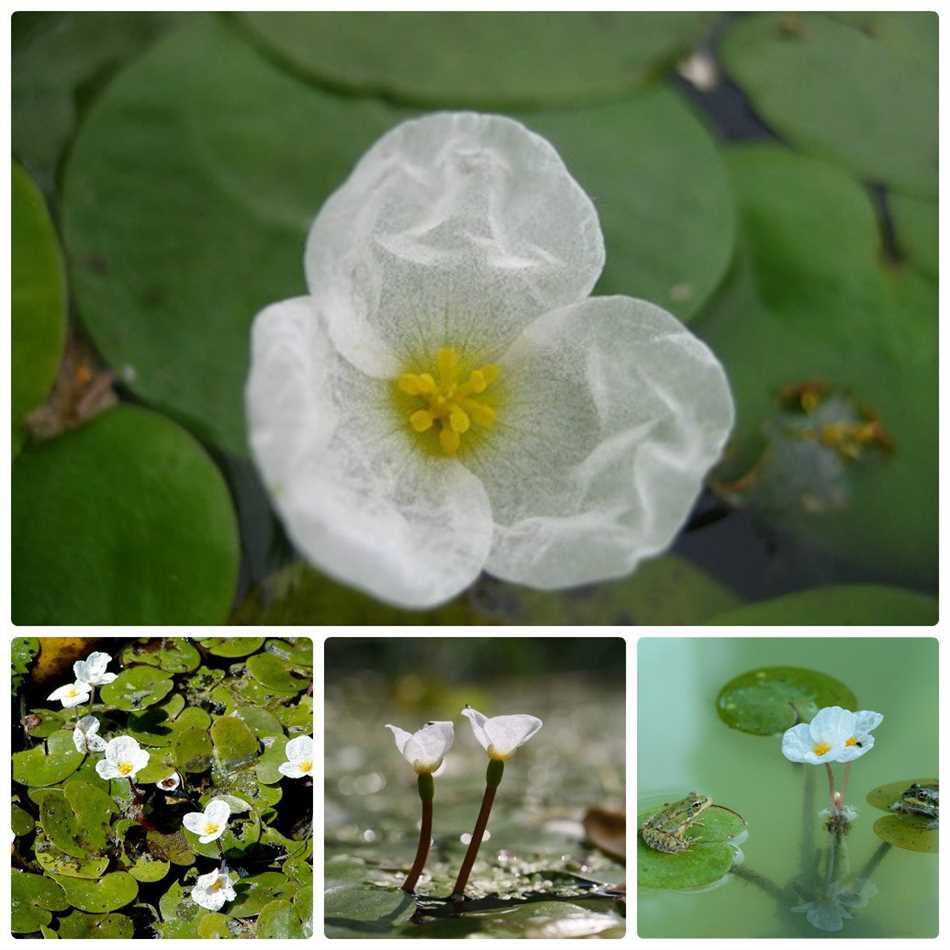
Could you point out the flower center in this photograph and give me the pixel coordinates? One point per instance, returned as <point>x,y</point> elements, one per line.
<point>821,748</point>
<point>442,405</point>
<point>218,884</point>
<point>125,768</point>
<point>210,828</point>
<point>306,766</point>
<point>852,741</point>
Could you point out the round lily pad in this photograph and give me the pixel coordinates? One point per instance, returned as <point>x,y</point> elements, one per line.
<point>32,897</point>
<point>213,926</point>
<point>257,890</point>
<point>161,764</point>
<point>299,718</point>
<point>234,743</point>
<point>39,301</point>
<point>275,673</point>
<point>21,821</point>
<point>137,688</point>
<point>158,532</point>
<point>855,604</point>
<point>56,862</point>
<point>148,870</point>
<point>153,727</point>
<point>296,652</point>
<point>80,926</point>
<point>262,722</point>
<point>708,858</point>
<point>48,762</point>
<point>173,654</point>
<point>864,97</point>
<point>273,756</point>
<point>278,920</point>
<point>171,847</point>
<point>885,795</point>
<point>192,749</point>
<point>909,832</point>
<point>231,646</point>
<point>772,699</point>
<point>110,892</point>
<point>481,59</point>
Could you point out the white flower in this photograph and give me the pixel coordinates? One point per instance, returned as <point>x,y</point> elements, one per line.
<point>425,749</point>
<point>75,694</point>
<point>500,736</point>
<point>124,759</point>
<point>84,735</point>
<point>92,670</point>
<point>210,824</point>
<point>834,735</point>
<point>299,754</point>
<point>449,399</point>
<point>170,782</point>
<point>212,891</point>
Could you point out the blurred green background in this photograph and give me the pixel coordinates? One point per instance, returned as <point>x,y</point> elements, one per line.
<point>771,179</point>
<point>683,745</point>
<point>537,846</point>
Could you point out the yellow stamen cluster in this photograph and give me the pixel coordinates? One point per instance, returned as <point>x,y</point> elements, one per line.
<point>125,768</point>
<point>852,741</point>
<point>218,884</point>
<point>306,766</point>
<point>210,828</point>
<point>821,748</point>
<point>447,402</point>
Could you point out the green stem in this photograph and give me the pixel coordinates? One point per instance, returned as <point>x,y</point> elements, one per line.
<point>426,794</point>
<point>496,769</point>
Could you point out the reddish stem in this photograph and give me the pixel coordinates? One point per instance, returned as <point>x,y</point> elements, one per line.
<point>480,825</point>
<point>831,786</point>
<point>422,852</point>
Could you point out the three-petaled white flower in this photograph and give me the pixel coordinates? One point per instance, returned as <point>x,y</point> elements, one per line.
<point>425,749</point>
<point>123,759</point>
<point>84,735</point>
<point>501,736</point>
<point>92,670</point>
<point>213,890</point>
<point>299,754</point>
<point>449,399</point>
<point>74,694</point>
<point>210,824</point>
<point>834,735</point>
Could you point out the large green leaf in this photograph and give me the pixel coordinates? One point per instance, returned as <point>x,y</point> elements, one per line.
<point>852,605</point>
<point>484,60</point>
<point>812,301</point>
<point>80,926</point>
<point>151,530</point>
<point>278,920</point>
<point>138,688</point>
<point>362,910</point>
<point>39,301</point>
<point>48,762</point>
<point>32,897</point>
<point>864,97</point>
<point>916,226</point>
<point>110,892</point>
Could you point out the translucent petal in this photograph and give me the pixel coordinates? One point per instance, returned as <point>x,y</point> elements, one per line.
<point>299,749</point>
<point>477,721</point>
<point>832,725</point>
<point>357,498</point>
<point>194,821</point>
<point>291,770</point>
<point>123,749</point>
<point>849,753</point>
<point>426,748</point>
<point>613,415</point>
<point>797,744</point>
<point>217,811</point>
<point>455,226</point>
<point>865,721</point>
<point>106,769</point>
<point>508,733</point>
<point>401,737</point>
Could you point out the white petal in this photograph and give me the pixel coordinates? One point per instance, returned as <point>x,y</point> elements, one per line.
<point>300,749</point>
<point>194,821</point>
<point>508,733</point>
<point>401,737</point>
<point>123,749</point>
<point>95,743</point>
<point>354,492</point>
<point>81,671</point>
<point>291,770</point>
<point>849,753</point>
<point>79,739</point>
<point>866,721</point>
<point>426,749</point>
<point>218,811</point>
<point>452,227</point>
<point>832,725</point>
<point>477,721</point>
<point>613,415</point>
<point>139,760</point>
<point>797,744</point>
<point>105,678</point>
<point>106,769</point>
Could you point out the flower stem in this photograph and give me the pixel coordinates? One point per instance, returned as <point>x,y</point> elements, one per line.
<point>493,776</point>
<point>426,793</point>
<point>844,781</point>
<point>831,786</point>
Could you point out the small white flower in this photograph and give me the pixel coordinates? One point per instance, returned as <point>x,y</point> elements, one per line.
<point>450,400</point>
<point>210,824</point>
<point>84,735</point>
<point>500,736</point>
<point>75,694</point>
<point>834,735</point>
<point>92,670</point>
<point>425,749</point>
<point>299,754</point>
<point>212,891</point>
<point>170,782</point>
<point>124,759</point>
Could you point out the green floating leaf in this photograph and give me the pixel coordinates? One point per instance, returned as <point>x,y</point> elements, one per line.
<point>80,926</point>
<point>137,688</point>
<point>110,892</point>
<point>704,862</point>
<point>213,926</point>
<point>866,98</point>
<point>161,764</point>
<point>39,302</point>
<point>479,59</point>
<point>231,646</point>
<point>916,224</point>
<point>297,651</point>
<point>147,870</point>
<point>275,674</point>
<point>770,700</point>
<point>811,302</point>
<point>303,905</point>
<point>22,651</point>
<point>32,897</point>
<point>173,654</point>
<point>21,821</point>
<point>274,755</point>
<point>55,862</point>
<point>261,722</point>
<point>278,920</point>
<point>361,910</point>
<point>92,809</point>
<point>153,514</point>
<point>192,750</point>
<point>257,890</point>
<point>852,605</point>
<point>154,726</point>
<point>243,832</point>
<point>234,743</point>
<point>180,916</point>
<point>44,722</point>
<point>299,718</point>
<point>47,766</point>
<point>171,847</point>
<point>56,817</point>
<point>909,832</point>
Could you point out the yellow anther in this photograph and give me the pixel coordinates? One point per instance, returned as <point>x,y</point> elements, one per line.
<point>821,748</point>
<point>447,362</point>
<point>482,414</point>
<point>211,828</point>
<point>852,741</point>
<point>427,383</point>
<point>449,440</point>
<point>459,421</point>
<point>125,768</point>
<point>491,372</point>
<point>306,766</point>
<point>477,382</point>
<point>421,420</point>
<point>409,384</point>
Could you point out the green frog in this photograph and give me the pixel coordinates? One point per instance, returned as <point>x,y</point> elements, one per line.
<point>920,800</point>
<point>666,830</point>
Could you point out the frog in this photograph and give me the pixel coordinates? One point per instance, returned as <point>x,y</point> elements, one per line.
<point>666,830</point>
<point>920,800</point>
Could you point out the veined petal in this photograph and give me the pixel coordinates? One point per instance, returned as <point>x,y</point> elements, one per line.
<point>832,726</point>
<point>291,770</point>
<point>217,811</point>
<point>508,733</point>
<point>106,769</point>
<point>123,749</point>
<point>866,721</point>
<point>426,748</point>
<point>356,496</point>
<point>849,753</point>
<point>401,737</point>
<point>300,749</point>
<point>613,415</point>
<point>194,821</point>
<point>797,744</point>
<point>453,226</point>
<point>477,721</point>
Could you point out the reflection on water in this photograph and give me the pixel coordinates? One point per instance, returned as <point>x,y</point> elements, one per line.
<point>797,879</point>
